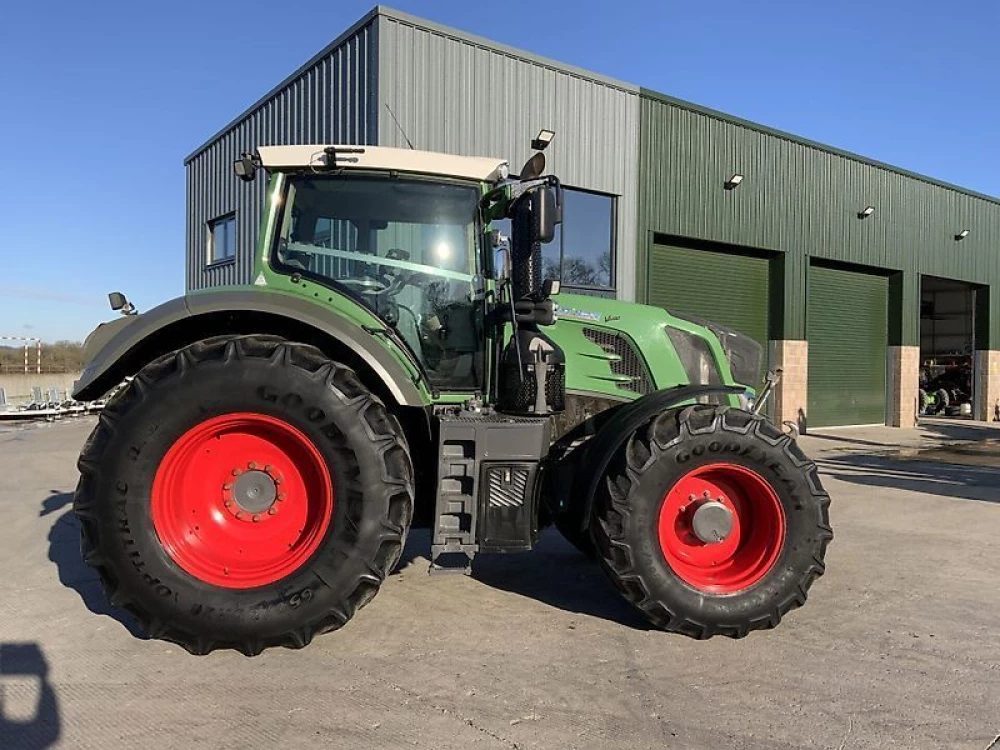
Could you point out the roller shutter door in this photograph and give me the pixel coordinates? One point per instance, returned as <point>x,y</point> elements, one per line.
<point>728,289</point>
<point>846,326</point>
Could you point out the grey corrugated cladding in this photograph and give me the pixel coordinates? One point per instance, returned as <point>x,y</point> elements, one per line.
<point>331,99</point>
<point>461,94</point>
<point>451,92</point>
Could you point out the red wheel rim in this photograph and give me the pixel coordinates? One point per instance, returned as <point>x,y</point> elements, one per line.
<point>242,500</point>
<point>746,553</point>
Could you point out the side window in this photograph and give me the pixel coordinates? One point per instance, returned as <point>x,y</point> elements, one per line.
<point>222,239</point>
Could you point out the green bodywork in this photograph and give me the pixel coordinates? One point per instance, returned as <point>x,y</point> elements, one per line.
<point>588,368</point>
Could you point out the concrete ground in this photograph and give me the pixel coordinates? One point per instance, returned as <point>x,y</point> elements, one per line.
<point>897,647</point>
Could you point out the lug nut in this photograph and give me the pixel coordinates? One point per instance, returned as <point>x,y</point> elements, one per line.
<point>281,496</point>
<point>271,511</point>
<point>268,468</point>
<point>227,486</point>
<point>229,503</point>
<point>252,465</point>
<point>236,472</point>
<point>239,514</point>
<point>256,517</point>
<point>706,494</point>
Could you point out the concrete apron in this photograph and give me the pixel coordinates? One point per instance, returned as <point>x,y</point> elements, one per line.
<point>943,440</point>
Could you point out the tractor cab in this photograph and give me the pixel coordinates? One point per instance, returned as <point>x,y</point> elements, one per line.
<point>404,233</point>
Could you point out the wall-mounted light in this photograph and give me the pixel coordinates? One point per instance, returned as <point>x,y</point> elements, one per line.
<point>868,211</point>
<point>961,235</point>
<point>543,139</point>
<point>733,182</point>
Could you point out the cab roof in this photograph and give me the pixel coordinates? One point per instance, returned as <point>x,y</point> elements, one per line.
<point>481,168</point>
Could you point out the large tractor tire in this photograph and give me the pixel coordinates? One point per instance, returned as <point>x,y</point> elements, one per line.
<point>244,492</point>
<point>711,521</point>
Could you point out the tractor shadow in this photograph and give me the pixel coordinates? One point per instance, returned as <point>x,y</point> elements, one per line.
<point>74,573</point>
<point>553,573</point>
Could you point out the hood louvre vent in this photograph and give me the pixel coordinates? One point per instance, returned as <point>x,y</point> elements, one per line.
<point>628,363</point>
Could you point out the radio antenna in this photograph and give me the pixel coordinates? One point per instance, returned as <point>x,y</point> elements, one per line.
<point>395,120</point>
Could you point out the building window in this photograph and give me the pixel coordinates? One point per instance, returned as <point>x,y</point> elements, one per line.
<point>222,239</point>
<point>586,241</point>
<point>581,254</point>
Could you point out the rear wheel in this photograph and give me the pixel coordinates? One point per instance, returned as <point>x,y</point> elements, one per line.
<point>244,492</point>
<point>712,522</point>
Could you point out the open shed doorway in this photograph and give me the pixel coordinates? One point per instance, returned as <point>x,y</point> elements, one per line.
<point>947,343</point>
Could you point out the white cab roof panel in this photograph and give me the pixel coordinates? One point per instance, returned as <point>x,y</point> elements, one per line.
<point>383,158</point>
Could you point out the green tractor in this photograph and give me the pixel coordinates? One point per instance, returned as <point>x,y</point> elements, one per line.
<point>396,360</point>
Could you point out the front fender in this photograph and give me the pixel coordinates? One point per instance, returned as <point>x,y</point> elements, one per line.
<point>120,341</point>
<point>593,461</point>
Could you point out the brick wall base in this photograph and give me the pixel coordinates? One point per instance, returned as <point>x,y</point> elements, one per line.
<point>904,385</point>
<point>790,397</point>
<point>986,365</point>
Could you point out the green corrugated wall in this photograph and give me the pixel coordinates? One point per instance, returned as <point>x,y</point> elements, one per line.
<point>681,277</point>
<point>801,200</point>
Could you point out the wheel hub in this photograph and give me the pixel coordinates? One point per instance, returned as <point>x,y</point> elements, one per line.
<point>721,527</point>
<point>712,522</point>
<point>255,491</point>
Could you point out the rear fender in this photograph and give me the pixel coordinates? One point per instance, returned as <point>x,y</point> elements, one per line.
<point>122,347</point>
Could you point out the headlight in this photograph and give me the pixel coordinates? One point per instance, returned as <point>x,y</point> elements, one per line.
<point>696,358</point>
<point>744,355</point>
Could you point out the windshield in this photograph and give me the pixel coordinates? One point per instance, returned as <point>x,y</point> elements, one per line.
<point>406,249</point>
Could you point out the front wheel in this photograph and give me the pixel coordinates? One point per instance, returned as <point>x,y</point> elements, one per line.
<point>712,522</point>
<point>244,492</point>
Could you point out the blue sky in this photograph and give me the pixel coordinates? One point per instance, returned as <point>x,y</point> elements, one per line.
<point>102,101</point>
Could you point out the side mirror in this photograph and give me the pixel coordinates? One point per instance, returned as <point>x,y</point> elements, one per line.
<point>545,212</point>
<point>119,302</point>
<point>245,168</point>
